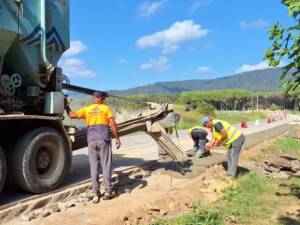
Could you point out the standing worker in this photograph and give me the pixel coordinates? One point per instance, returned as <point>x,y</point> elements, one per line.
<point>99,118</point>
<point>199,137</point>
<point>228,136</point>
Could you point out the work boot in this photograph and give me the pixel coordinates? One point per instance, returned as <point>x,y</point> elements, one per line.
<point>229,176</point>
<point>96,198</point>
<point>200,153</point>
<point>109,195</point>
<point>207,153</point>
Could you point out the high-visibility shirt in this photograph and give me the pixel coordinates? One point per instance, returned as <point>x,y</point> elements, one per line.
<point>198,133</point>
<point>232,133</point>
<point>97,120</point>
<point>194,129</point>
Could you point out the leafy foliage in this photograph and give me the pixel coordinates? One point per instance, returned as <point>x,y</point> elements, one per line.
<point>206,109</point>
<point>286,44</point>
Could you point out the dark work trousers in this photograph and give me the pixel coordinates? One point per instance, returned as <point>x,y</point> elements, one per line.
<point>199,137</point>
<point>233,155</point>
<point>100,154</point>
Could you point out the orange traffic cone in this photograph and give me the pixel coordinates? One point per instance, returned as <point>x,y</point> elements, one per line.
<point>244,124</point>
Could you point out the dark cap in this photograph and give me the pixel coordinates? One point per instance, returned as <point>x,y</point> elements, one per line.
<point>205,120</point>
<point>97,94</point>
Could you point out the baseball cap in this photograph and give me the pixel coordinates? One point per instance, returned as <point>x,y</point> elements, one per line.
<point>205,120</point>
<point>98,94</point>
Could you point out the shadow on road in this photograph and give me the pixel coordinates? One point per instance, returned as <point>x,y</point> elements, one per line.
<point>80,172</point>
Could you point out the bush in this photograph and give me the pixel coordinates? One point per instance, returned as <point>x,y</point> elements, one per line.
<point>206,109</point>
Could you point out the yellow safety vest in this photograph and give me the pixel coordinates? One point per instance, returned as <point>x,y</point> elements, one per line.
<point>193,128</point>
<point>232,132</point>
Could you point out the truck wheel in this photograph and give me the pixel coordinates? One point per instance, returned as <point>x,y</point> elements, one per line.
<point>3,168</point>
<point>40,160</point>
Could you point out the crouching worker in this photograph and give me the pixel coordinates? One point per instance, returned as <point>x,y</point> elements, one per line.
<point>228,136</point>
<point>99,118</point>
<point>199,137</point>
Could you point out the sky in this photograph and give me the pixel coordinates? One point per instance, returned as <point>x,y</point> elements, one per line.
<point>120,44</point>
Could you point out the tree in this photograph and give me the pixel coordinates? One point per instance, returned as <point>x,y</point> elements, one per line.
<point>286,45</point>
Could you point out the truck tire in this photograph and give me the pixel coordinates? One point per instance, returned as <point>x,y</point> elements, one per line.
<point>3,168</point>
<point>40,160</point>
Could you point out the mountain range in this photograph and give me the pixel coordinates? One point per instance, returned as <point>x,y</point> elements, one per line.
<point>254,81</point>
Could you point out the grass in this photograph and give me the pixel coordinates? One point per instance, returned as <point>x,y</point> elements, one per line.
<point>254,199</point>
<point>280,146</point>
<point>234,117</point>
<point>287,145</point>
<point>247,201</point>
<point>244,201</point>
<point>201,215</point>
<point>190,119</point>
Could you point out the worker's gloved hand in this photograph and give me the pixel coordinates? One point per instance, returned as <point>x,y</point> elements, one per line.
<point>118,143</point>
<point>218,143</point>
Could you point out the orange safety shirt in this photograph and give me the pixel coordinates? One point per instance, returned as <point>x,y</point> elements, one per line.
<point>97,120</point>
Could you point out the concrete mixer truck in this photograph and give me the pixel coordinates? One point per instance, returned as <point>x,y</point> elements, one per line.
<point>35,146</point>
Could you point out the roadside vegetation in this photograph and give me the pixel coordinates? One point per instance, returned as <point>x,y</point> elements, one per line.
<point>192,118</point>
<point>286,146</point>
<point>230,105</point>
<point>253,199</point>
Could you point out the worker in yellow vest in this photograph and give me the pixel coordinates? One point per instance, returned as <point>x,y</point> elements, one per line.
<point>199,136</point>
<point>228,136</point>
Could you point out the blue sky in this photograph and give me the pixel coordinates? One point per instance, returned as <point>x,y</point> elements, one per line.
<point>121,44</point>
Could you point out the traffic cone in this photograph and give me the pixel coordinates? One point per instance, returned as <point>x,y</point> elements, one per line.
<point>244,124</point>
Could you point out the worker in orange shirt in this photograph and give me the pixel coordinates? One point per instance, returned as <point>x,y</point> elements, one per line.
<point>99,118</point>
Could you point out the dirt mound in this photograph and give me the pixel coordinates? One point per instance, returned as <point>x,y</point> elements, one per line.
<point>152,197</point>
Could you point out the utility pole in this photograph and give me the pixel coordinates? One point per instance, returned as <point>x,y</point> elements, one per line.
<point>257,102</point>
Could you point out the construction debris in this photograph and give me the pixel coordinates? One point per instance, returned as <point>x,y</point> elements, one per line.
<point>282,167</point>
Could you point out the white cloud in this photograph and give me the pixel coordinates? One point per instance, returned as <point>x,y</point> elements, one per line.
<point>204,69</point>
<point>74,67</point>
<point>170,39</point>
<point>259,66</point>
<point>73,62</point>
<point>149,8</point>
<point>122,61</point>
<point>196,4</point>
<point>260,23</point>
<point>157,65</point>
<point>76,48</point>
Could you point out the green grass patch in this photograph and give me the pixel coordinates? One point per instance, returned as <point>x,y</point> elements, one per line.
<point>253,200</point>
<point>280,146</point>
<point>200,215</point>
<point>190,119</point>
<point>234,117</point>
<point>287,145</point>
<point>247,201</point>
